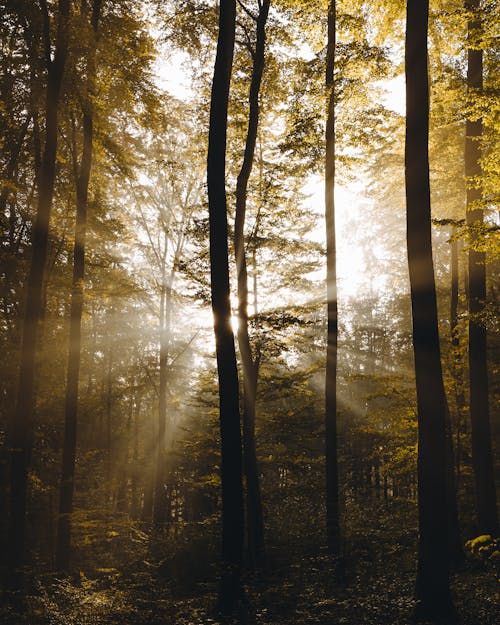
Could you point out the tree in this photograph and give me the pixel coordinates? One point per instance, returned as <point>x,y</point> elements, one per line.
<point>482,460</point>
<point>82,178</point>
<point>21,431</point>
<point>249,362</point>
<point>332,478</point>
<point>432,588</point>
<point>166,204</point>
<point>231,453</point>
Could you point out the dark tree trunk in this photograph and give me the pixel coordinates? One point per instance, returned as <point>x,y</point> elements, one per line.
<point>455,551</point>
<point>455,542</point>
<point>134,502</point>
<point>331,461</point>
<point>231,453</point>
<point>109,412</point>
<point>482,459</point>
<point>122,499</point>
<point>149,470</point>
<point>250,365</point>
<point>432,588</point>
<point>21,430</point>
<point>63,548</point>
<point>456,359</point>
<point>148,500</point>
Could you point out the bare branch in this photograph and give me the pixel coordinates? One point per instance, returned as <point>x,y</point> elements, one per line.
<point>247,11</point>
<point>184,349</point>
<point>248,44</point>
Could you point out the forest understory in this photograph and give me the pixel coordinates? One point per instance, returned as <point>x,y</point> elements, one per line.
<point>162,581</point>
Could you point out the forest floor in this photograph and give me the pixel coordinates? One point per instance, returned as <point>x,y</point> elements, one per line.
<point>297,588</point>
<point>301,592</point>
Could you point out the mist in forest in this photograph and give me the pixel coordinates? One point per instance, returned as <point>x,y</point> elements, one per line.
<point>249,299</point>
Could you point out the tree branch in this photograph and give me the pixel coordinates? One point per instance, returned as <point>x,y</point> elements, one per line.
<point>247,11</point>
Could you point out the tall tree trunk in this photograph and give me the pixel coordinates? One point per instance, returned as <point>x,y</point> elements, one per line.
<point>455,552</point>
<point>482,459</point>
<point>149,479</point>
<point>432,588</point>
<point>134,503</point>
<point>21,430</point>
<point>331,460</point>
<point>63,548</point>
<point>160,501</point>
<point>456,358</point>
<point>161,505</point>
<point>108,399</point>
<point>231,453</point>
<point>453,454</point>
<point>255,525</point>
<point>122,501</point>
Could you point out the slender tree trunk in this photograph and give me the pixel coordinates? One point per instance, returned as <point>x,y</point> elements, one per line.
<point>21,430</point>
<point>124,478</point>
<point>455,551</point>
<point>432,588</point>
<point>231,453</point>
<point>482,458</point>
<point>109,410</point>
<point>134,504</point>
<point>255,525</point>
<point>148,500</point>
<point>160,507</point>
<point>149,471</point>
<point>453,455</point>
<point>331,460</point>
<point>63,548</point>
<point>456,358</point>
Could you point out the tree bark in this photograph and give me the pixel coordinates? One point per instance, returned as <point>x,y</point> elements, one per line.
<point>231,453</point>
<point>161,504</point>
<point>109,414</point>
<point>250,365</point>
<point>331,461</point>
<point>455,552</point>
<point>453,452</point>
<point>432,587</point>
<point>63,548</point>
<point>482,457</point>
<point>456,358</point>
<point>160,500</point>
<point>21,430</point>
<point>134,503</point>
<point>148,498</point>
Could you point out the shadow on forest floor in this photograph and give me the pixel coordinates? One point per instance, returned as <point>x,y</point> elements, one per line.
<point>128,583</point>
<point>296,591</point>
